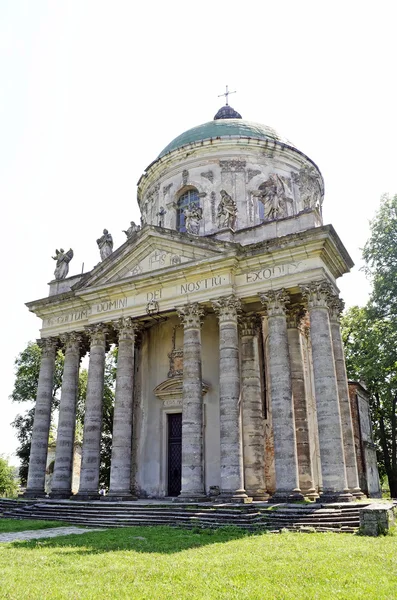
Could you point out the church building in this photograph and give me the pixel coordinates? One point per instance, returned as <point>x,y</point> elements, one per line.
<point>231,381</point>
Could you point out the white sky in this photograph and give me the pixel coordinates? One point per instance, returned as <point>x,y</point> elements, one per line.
<point>91,92</point>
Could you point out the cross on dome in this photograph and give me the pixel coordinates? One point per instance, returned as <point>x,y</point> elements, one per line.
<point>226,94</point>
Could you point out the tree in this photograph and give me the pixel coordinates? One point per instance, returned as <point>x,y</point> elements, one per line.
<point>370,336</point>
<point>25,390</point>
<point>8,483</point>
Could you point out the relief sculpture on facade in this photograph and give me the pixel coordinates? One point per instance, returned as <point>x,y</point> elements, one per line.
<point>227,211</point>
<point>275,195</point>
<point>193,215</point>
<point>310,187</point>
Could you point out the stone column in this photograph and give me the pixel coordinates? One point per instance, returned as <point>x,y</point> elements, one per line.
<point>335,489</point>
<point>285,455</point>
<point>192,404</point>
<point>336,309</point>
<point>300,398</point>
<point>42,420</point>
<point>252,410</point>
<point>90,461</point>
<point>63,469</point>
<point>121,459</point>
<point>231,457</point>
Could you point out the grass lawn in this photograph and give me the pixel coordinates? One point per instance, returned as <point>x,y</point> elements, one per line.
<point>10,525</point>
<point>161,563</point>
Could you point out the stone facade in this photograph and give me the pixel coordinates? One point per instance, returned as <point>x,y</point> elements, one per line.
<point>230,375</point>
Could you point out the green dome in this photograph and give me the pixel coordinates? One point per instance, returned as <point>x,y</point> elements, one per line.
<point>224,128</point>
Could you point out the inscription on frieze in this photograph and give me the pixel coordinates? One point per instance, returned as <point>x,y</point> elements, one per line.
<point>202,284</point>
<point>111,305</point>
<point>272,272</point>
<point>71,317</point>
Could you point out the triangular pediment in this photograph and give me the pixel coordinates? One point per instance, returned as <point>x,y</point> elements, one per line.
<point>151,250</point>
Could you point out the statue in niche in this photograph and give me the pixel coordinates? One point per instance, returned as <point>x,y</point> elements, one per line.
<point>105,244</point>
<point>132,230</point>
<point>63,259</point>
<point>161,215</point>
<point>310,187</point>
<point>275,195</point>
<point>227,211</point>
<point>193,216</point>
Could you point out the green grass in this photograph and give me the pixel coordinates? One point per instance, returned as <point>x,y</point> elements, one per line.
<point>10,525</point>
<point>199,565</point>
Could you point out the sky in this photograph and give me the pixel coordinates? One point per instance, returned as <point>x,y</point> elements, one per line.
<point>91,92</point>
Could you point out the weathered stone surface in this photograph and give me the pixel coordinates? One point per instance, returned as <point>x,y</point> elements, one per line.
<point>326,390</point>
<point>253,418</point>
<point>89,474</point>
<point>120,468</point>
<point>42,420</point>
<point>62,479</point>
<point>377,519</point>
<point>336,308</point>
<point>231,467</point>
<point>192,403</point>
<point>300,396</point>
<point>286,462</point>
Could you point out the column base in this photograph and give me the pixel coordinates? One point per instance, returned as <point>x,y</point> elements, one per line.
<point>60,494</point>
<point>310,494</point>
<point>118,497</point>
<point>86,496</point>
<point>34,494</point>
<point>258,495</point>
<point>237,497</point>
<point>286,496</point>
<point>357,493</point>
<point>335,497</point>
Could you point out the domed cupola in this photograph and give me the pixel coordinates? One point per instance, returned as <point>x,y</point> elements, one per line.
<point>228,176</point>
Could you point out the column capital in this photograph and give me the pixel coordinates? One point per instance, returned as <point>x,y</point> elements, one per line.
<point>48,346</point>
<point>97,334</point>
<point>318,293</point>
<point>295,316</point>
<point>227,308</point>
<point>275,302</point>
<point>72,341</point>
<point>191,315</point>
<point>336,308</point>
<point>249,325</point>
<point>127,328</point>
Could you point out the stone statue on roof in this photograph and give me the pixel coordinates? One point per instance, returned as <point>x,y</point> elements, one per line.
<point>105,244</point>
<point>132,230</point>
<point>227,211</point>
<point>63,259</point>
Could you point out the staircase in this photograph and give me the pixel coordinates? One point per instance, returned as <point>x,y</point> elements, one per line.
<point>257,516</point>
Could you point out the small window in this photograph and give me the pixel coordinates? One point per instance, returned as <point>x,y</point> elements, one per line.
<point>187,199</point>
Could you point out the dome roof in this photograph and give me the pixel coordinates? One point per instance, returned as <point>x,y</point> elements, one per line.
<point>224,127</point>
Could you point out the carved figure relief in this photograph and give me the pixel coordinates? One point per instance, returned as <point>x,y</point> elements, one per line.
<point>132,230</point>
<point>275,195</point>
<point>105,244</point>
<point>160,215</point>
<point>63,259</point>
<point>193,215</point>
<point>227,211</point>
<point>310,187</point>
<point>175,260</point>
